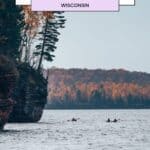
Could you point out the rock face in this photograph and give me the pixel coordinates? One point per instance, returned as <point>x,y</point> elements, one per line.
<point>6,106</point>
<point>8,76</point>
<point>30,95</point>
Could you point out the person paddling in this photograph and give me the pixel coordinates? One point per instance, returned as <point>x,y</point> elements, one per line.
<point>108,120</point>
<point>115,120</point>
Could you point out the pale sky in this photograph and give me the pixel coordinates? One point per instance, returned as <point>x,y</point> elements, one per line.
<point>106,40</point>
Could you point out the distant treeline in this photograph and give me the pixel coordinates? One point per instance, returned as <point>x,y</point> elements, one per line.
<point>77,88</point>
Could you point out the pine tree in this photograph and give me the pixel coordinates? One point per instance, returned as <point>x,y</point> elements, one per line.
<point>49,37</point>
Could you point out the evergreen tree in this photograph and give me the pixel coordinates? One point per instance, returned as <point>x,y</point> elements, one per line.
<point>96,98</point>
<point>49,37</point>
<point>11,22</point>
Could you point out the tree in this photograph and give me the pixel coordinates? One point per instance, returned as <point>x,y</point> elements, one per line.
<point>11,23</point>
<point>96,98</point>
<point>33,21</point>
<point>49,37</point>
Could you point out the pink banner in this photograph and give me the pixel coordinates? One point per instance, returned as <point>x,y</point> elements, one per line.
<point>75,5</point>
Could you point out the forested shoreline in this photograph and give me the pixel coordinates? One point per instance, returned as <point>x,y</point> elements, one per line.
<point>91,89</point>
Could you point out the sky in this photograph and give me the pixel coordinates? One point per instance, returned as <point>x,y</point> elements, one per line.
<point>106,40</point>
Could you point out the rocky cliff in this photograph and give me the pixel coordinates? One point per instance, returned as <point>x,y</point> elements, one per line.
<point>8,76</point>
<point>30,95</point>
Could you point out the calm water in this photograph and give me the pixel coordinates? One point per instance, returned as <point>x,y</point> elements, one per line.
<point>90,132</point>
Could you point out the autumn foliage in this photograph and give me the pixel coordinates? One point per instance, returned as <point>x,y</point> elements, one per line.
<point>98,88</point>
<point>34,19</point>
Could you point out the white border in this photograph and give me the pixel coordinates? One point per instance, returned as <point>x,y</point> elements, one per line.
<point>127,2</point>
<point>23,2</point>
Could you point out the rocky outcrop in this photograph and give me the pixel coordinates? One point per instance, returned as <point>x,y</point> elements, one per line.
<point>8,76</point>
<point>6,106</point>
<point>30,95</point>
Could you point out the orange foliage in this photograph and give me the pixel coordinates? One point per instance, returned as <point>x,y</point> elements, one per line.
<point>34,19</point>
<point>66,81</point>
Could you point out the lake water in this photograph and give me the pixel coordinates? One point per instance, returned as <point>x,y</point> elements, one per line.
<point>90,132</point>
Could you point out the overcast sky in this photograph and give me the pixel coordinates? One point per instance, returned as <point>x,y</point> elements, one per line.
<point>106,39</point>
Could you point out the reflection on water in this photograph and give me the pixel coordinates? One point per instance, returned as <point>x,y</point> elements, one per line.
<point>9,131</point>
<point>90,132</point>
